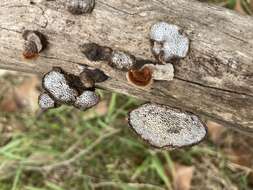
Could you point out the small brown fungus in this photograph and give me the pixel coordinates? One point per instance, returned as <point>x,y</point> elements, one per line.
<point>140,77</point>
<point>95,52</point>
<point>122,60</point>
<point>86,79</point>
<point>35,42</point>
<point>163,126</point>
<point>86,100</point>
<point>78,7</point>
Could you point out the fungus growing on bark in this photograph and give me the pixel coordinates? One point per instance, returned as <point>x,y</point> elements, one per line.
<point>46,102</point>
<point>78,7</point>
<point>161,72</point>
<point>163,126</point>
<point>34,44</point>
<point>86,100</point>
<point>168,42</point>
<point>56,84</point>
<point>86,79</point>
<point>140,77</point>
<point>122,60</point>
<point>95,52</point>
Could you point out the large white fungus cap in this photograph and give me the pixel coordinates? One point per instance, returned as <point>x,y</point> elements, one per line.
<point>56,84</point>
<point>46,102</point>
<point>169,42</point>
<point>163,126</point>
<point>87,100</point>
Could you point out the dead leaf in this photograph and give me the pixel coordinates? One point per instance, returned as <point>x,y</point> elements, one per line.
<point>182,177</point>
<point>239,156</point>
<point>215,131</point>
<point>22,97</point>
<point>238,7</point>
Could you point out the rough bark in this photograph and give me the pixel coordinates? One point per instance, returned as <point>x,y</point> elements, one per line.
<point>215,79</point>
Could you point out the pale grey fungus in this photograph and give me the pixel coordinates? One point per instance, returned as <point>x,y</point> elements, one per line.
<point>162,126</point>
<point>78,7</point>
<point>46,102</point>
<point>162,72</point>
<point>56,84</point>
<point>122,60</point>
<point>35,42</point>
<point>86,100</point>
<point>168,42</point>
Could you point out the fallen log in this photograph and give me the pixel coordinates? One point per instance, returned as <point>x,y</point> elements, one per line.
<point>215,80</point>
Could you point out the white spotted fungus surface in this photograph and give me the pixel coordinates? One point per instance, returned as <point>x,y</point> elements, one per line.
<point>122,60</point>
<point>87,100</point>
<point>56,84</point>
<point>163,126</point>
<point>45,101</point>
<point>169,42</point>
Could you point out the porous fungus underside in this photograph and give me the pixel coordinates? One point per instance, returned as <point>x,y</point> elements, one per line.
<point>162,126</point>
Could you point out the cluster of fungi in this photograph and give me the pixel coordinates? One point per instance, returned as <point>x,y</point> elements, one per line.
<point>159,125</point>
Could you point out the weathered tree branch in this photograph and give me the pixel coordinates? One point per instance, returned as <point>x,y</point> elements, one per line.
<point>215,80</point>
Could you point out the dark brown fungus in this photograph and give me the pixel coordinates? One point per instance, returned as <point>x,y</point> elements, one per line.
<point>78,7</point>
<point>140,78</point>
<point>86,79</point>
<point>35,42</point>
<point>163,126</point>
<point>95,52</point>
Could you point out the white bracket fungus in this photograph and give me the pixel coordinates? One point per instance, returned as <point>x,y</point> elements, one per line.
<point>56,84</point>
<point>46,102</point>
<point>78,7</point>
<point>168,41</point>
<point>161,72</point>
<point>87,100</point>
<point>163,126</point>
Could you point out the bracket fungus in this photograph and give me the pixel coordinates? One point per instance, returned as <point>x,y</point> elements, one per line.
<point>56,84</point>
<point>122,60</point>
<point>168,42</point>
<point>87,100</point>
<point>163,126</point>
<point>140,77</point>
<point>78,7</point>
<point>46,102</point>
<point>95,52</point>
<point>161,72</point>
<point>63,88</point>
<point>35,42</point>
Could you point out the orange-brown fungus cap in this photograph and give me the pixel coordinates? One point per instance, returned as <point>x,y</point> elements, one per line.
<point>142,77</point>
<point>30,55</point>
